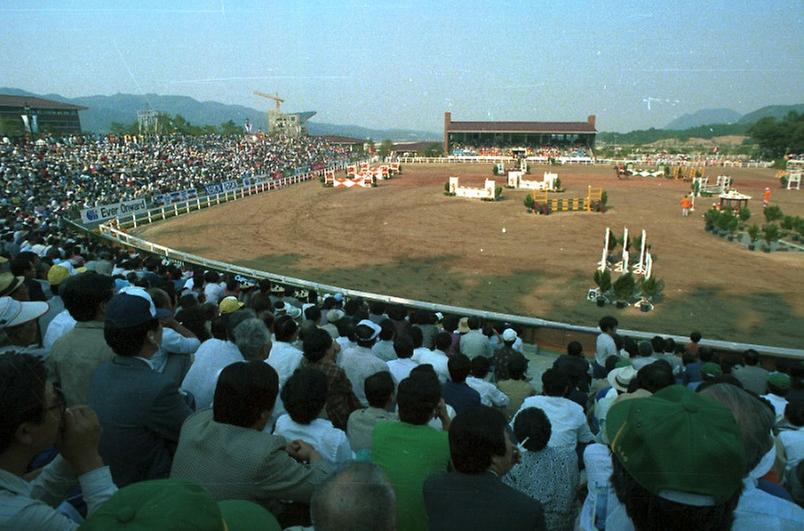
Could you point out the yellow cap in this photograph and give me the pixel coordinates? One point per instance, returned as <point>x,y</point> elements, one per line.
<point>230,304</point>
<point>57,274</point>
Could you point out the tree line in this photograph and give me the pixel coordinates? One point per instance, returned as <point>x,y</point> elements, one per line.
<point>177,124</point>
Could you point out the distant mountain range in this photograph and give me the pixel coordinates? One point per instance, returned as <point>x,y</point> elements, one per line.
<point>122,108</point>
<point>729,116</point>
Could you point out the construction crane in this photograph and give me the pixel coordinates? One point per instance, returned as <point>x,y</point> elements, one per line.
<point>279,101</point>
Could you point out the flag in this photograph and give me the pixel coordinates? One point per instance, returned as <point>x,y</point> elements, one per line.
<point>26,123</point>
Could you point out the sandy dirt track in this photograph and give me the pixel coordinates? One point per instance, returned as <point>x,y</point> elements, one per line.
<point>406,238</point>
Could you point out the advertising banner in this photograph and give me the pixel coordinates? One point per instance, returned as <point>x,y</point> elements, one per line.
<point>123,208</point>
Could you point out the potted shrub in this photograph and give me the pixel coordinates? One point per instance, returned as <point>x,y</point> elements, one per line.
<point>710,219</point>
<point>603,281</point>
<point>788,222</point>
<point>446,189</point>
<point>497,193</point>
<point>723,221</point>
<point>770,233</point>
<point>494,170</point>
<point>731,228</point>
<point>753,236</point>
<point>557,185</point>
<point>773,213</point>
<point>799,234</point>
<point>529,203</point>
<point>650,289</point>
<point>624,288</point>
<point>745,214</point>
<point>783,180</point>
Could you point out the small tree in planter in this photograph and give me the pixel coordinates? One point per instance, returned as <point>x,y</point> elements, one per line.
<point>446,189</point>
<point>773,213</point>
<point>710,219</point>
<point>723,221</point>
<point>799,236</point>
<point>770,233</point>
<point>745,214</point>
<point>783,180</point>
<point>494,170</point>
<point>529,203</point>
<point>603,281</point>
<point>557,185</point>
<point>731,228</point>
<point>667,173</point>
<point>753,236</point>
<point>650,289</point>
<point>624,288</point>
<point>788,222</point>
<point>497,193</point>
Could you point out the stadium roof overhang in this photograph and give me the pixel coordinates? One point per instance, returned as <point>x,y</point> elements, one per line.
<point>522,127</point>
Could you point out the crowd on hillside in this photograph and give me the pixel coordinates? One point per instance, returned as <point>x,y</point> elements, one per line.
<point>547,151</point>
<point>58,175</point>
<point>135,392</point>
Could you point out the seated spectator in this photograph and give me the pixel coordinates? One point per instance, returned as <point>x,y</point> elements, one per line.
<point>304,396</point>
<point>567,419</point>
<point>33,418</point>
<point>384,347</point>
<point>654,377</point>
<point>709,371</point>
<point>319,352</point>
<point>333,317</point>
<point>56,275</point>
<point>409,450</point>
<point>505,354</point>
<point>76,354</point>
<point>693,347</point>
<point>751,374</point>
<point>604,345</point>
<point>692,369</point>
<point>211,357</point>
<point>756,509</point>
<point>358,362</point>
<point>473,496</point>
<point>178,342</point>
<point>669,355</point>
<point>660,478</point>
<point>401,366</point>
<point>380,395</point>
<point>418,343</point>
<point>426,321</point>
<point>474,343</point>
<point>490,395</point>
<point>645,354</point>
<point>546,474</point>
<point>169,503</point>
<point>778,385</point>
<point>437,358</point>
<point>516,388</point>
<point>358,498</point>
<point>196,317</point>
<point>140,410</point>
<point>226,451</point>
<point>574,364</point>
<point>792,437</point>
<point>18,322</point>
<point>455,391</point>
<point>619,380</point>
<point>284,357</point>
<point>376,312</point>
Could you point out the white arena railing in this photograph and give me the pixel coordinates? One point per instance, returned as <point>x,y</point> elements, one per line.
<point>585,160</point>
<point>113,232</point>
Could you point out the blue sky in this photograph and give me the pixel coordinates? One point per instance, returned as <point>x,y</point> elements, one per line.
<point>403,63</point>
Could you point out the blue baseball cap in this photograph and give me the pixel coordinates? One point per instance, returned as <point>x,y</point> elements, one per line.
<point>132,306</point>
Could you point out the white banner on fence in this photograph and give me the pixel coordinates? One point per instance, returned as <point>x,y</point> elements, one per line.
<point>101,212</point>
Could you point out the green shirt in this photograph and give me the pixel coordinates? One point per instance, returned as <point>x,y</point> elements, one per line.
<point>409,454</point>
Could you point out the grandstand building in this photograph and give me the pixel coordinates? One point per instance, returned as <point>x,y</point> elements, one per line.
<point>28,114</point>
<point>525,134</point>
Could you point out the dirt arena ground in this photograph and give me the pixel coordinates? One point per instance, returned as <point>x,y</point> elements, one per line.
<point>406,238</point>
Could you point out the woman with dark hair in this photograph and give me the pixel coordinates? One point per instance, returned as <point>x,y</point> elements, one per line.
<point>304,396</point>
<point>547,474</point>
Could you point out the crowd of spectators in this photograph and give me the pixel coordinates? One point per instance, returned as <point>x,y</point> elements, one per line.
<point>546,151</point>
<point>139,392</point>
<point>51,177</point>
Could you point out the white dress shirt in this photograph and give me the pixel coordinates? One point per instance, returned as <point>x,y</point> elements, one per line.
<point>793,442</point>
<point>473,344</point>
<point>329,441</point>
<point>400,368</point>
<point>210,359</point>
<point>779,404</point>
<point>359,363</point>
<point>60,325</point>
<point>489,394</point>
<point>173,342</point>
<point>213,292</point>
<point>437,359</point>
<point>604,347</point>
<point>567,419</point>
<point>285,359</point>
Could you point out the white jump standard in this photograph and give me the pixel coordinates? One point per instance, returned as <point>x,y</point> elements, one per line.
<point>486,193</point>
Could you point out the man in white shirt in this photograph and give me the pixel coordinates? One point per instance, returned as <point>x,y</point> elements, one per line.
<point>60,325</point>
<point>213,287</point>
<point>358,362</point>
<point>284,357</point>
<point>474,343</point>
<point>604,345</point>
<point>490,395</point>
<point>646,355</point>
<point>437,358</point>
<point>178,343</point>
<point>567,418</point>
<point>400,368</point>
<point>778,385</point>
<point>210,359</point>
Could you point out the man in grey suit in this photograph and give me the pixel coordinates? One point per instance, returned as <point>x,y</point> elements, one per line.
<point>751,374</point>
<point>140,410</point>
<point>225,450</point>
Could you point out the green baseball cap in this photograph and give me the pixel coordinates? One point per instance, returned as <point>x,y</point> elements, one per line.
<point>779,380</point>
<point>622,363</point>
<point>711,369</point>
<point>679,445</point>
<point>176,505</point>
